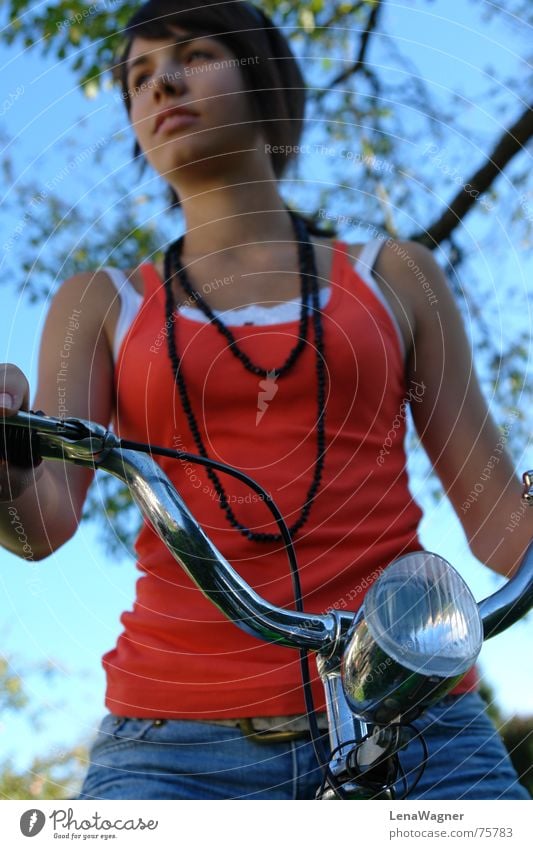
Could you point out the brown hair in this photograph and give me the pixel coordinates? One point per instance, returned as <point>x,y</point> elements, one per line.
<point>273,79</point>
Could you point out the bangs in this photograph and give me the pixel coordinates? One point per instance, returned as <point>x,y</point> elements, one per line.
<point>237,24</point>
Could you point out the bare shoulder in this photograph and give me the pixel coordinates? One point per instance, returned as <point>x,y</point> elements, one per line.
<point>89,287</point>
<point>410,273</point>
<point>97,284</point>
<point>89,292</point>
<point>395,274</point>
<point>414,271</point>
<point>92,298</point>
<point>99,294</point>
<point>398,259</point>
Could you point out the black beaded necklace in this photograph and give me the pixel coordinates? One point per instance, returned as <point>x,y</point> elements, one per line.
<point>309,285</point>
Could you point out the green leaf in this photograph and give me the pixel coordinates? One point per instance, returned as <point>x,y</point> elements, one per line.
<point>307,20</point>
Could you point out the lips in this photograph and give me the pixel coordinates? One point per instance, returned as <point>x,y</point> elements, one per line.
<point>173,118</point>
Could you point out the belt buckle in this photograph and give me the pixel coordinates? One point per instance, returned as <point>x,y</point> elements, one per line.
<point>264,737</point>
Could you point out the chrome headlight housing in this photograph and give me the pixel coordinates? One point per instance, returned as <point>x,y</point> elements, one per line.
<point>419,630</point>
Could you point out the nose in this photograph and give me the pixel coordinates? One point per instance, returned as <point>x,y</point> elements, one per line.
<point>169,82</point>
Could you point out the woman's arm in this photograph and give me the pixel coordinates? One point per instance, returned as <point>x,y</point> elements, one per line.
<point>75,379</point>
<point>459,435</point>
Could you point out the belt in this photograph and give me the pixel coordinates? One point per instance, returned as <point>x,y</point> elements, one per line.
<point>272,729</point>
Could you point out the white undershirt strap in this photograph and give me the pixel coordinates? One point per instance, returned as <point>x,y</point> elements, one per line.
<point>368,256</point>
<point>364,266</point>
<point>130,304</point>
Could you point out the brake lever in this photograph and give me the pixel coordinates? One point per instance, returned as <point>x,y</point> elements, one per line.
<point>527,495</point>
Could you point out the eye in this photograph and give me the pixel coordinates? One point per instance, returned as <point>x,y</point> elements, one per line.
<point>199,52</point>
<point>137,82</point>
<point>140,80</point>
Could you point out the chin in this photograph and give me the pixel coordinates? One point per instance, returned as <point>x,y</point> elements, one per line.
<point>192,154</point>
<point>173,154</point>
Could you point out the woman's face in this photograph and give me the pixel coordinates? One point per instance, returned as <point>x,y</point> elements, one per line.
<point>188,102</point>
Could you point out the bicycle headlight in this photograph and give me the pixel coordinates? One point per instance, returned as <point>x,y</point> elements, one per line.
<point>417,633</point>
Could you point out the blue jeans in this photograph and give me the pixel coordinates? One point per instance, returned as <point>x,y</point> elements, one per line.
<point>177,759</point>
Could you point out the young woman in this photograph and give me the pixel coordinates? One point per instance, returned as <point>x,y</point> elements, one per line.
<point>292,356</point>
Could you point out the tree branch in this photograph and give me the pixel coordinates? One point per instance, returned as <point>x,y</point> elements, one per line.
<point>363,47</point>
<point>512,142</point>
<point>338,15</point>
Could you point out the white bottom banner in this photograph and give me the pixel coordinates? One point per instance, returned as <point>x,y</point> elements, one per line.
<point>370,824</point>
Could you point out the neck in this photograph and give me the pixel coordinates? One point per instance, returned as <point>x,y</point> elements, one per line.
<point>246,210</point>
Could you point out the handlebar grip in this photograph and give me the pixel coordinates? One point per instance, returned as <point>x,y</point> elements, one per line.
<point>19,445</point>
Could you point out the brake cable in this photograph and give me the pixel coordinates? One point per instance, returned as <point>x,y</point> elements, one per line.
<point>293,565</point>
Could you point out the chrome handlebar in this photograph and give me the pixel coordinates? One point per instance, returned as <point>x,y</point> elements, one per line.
<point>206,566</point>
<point>89,444</point>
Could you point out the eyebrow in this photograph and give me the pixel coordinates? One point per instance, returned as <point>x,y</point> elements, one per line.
<point>144,58</point>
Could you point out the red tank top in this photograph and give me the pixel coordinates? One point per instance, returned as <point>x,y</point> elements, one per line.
<point>178,656</point>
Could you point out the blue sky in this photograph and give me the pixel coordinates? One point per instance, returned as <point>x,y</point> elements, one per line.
<point>64,612</point>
